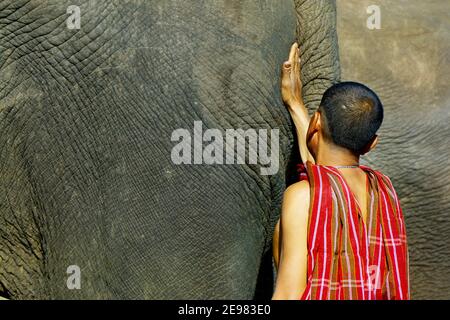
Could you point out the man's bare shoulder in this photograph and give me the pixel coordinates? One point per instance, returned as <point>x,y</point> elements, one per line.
<point>296,201</point>
<point>298,190</point>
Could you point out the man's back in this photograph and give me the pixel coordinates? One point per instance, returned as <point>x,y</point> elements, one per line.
<point>352,247</point>
<point>357,181</point>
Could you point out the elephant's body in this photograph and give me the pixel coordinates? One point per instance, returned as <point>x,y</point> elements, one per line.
<point>86,118</point>
<point>406,62</point>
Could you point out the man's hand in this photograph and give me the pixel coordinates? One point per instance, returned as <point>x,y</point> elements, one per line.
<point>291,84</point>
<point>291,92</point>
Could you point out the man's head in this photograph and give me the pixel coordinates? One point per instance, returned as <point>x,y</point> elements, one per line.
<point>349,116</point>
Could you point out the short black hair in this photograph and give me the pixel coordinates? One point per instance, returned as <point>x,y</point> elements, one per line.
<point>353,113</point>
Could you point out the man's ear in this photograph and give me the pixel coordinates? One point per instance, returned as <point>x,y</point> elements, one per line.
<point>371,145</point>
<point>314,126</point>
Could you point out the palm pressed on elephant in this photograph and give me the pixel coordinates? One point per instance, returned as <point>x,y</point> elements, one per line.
<point>86,117</point>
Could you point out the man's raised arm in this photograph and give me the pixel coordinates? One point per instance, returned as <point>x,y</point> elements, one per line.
<point>291,92</point>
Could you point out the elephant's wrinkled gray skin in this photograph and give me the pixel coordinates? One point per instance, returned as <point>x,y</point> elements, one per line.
<point>85,123</point>
<point>407,62</point>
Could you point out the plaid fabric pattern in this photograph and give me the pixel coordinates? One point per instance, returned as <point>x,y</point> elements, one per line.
<point>347,258</point>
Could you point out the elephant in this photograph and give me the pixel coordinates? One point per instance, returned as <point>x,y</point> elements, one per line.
<point>92,205</point>
<point>406,61</point>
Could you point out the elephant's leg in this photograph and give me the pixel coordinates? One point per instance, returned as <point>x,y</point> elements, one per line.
<point>317,36</point>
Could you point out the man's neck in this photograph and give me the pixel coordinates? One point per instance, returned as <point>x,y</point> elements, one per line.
<point>332,155</point>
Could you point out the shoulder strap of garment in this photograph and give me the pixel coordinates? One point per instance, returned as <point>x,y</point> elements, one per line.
<point>394,235</point>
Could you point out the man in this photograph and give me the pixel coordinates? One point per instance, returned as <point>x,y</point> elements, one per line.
<point>341,229</point>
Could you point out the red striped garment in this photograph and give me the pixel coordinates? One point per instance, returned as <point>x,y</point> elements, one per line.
<point>346,259</point>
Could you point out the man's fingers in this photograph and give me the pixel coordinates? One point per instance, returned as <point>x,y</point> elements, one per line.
<point>296,61</point>
<point>292,64</point>
<point>294,48</point>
